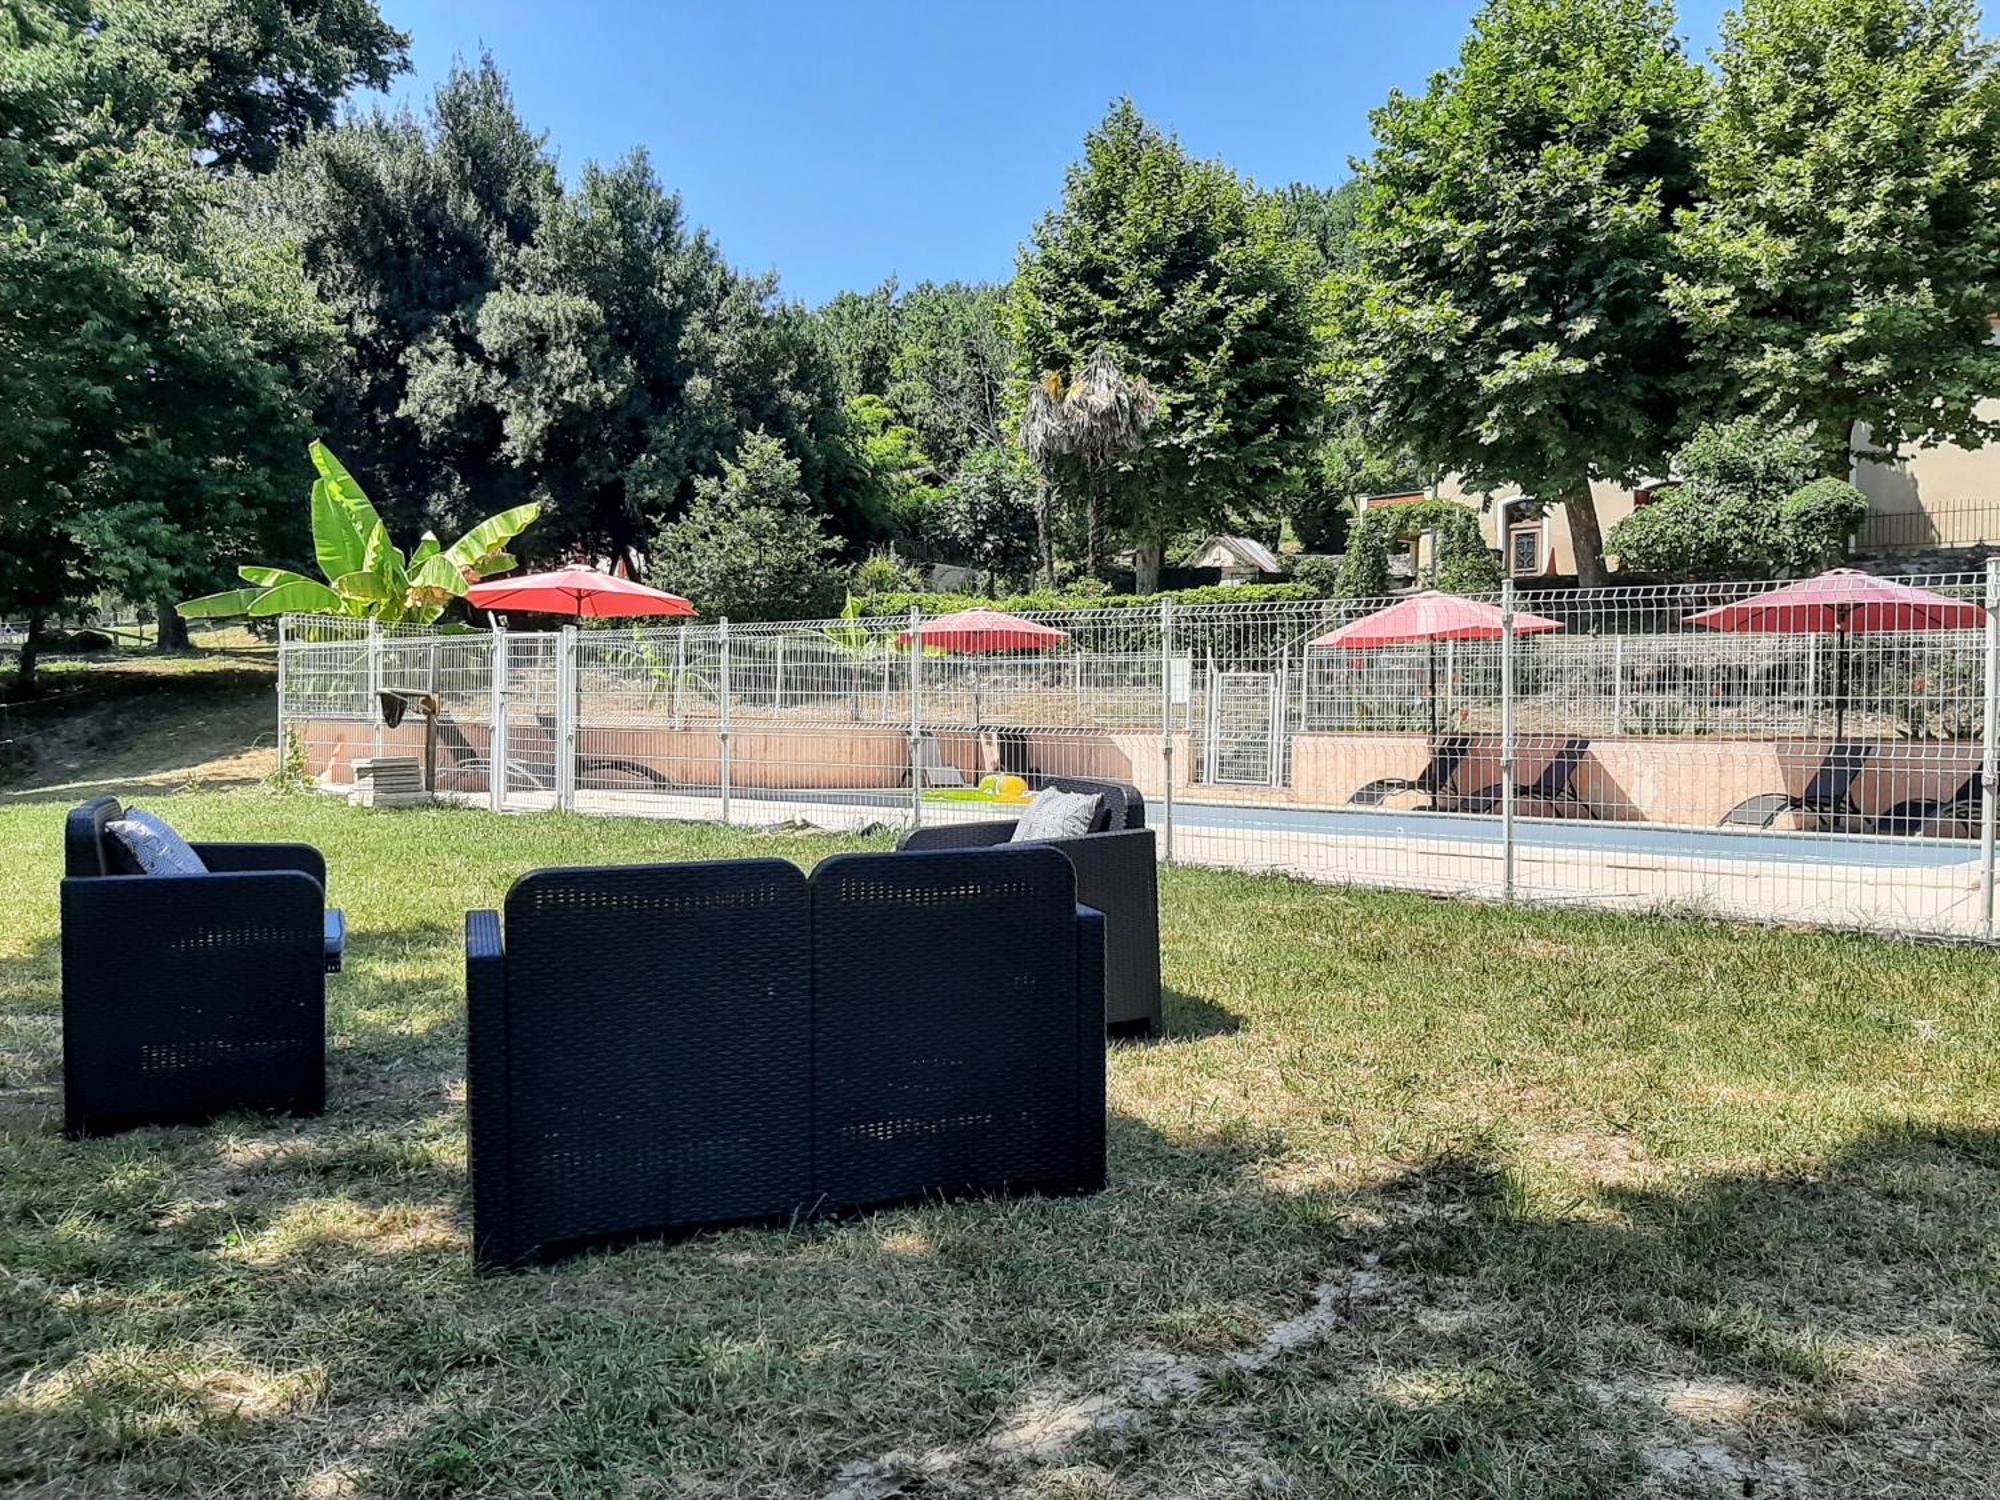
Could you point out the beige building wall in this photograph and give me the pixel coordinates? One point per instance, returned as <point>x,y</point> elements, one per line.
<point>1944,497</point>
<point>1555,551</point>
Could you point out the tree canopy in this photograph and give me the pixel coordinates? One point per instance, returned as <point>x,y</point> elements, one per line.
<point>1843,265</point>
<point>1506,318</point>
<point>513,340</point>
<point>158,344</point>
<point>1189,279</point>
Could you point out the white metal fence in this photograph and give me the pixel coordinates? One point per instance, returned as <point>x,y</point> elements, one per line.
<point>1631,760</point>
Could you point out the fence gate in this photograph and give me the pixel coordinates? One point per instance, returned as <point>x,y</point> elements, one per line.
<point>524,721</point>
<point>1243,729</point>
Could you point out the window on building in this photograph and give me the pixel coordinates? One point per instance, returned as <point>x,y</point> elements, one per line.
<point>1524,551</point>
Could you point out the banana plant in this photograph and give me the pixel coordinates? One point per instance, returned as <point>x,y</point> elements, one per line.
<point>367,575</point>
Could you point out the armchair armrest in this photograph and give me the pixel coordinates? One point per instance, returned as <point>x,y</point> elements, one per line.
<point>488,1121</point>
<point>247,858</point>
<point>1090,997</point>
<point>958,835</point>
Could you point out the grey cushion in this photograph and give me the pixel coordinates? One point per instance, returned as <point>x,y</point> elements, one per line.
<point>155,848</point>
<point>1058,815</point>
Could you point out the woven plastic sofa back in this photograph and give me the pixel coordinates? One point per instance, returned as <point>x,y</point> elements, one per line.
<point>948,1049</point>
<point>660,1048</point>
<point>652,1058</point>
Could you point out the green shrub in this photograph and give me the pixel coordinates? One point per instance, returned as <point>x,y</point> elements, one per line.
<point>1815,521</point>
<point>1044,600</point>
<point>749,547</point>
<point>1461,562</point>
<point>1747,507</point>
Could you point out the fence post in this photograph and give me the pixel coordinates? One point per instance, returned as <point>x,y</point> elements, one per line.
<point>1618,684</point>
<point>496,723</point>
<point>722,709</point>
<point>1507,739</point>
<point>566,696</point>
<point>375,679</point>
<point>1989,753</point>
<point>284,734</point>
<point>1167,727</point>
<point>916,717</point>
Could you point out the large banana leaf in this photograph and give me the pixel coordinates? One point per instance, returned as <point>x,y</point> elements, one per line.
<point>489,536</point>
<point>362,586</point>
<point>385,560</point>
<point>303,596</point>
<point>493,564</point>
<point>338,543</point>
<point>345,489</point>
<point>270,578</point>
<point>427,547</point>
<point>218,606</point>
<point>438,572</point>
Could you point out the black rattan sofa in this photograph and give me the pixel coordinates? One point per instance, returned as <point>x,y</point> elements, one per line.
<point>1117,873</point>
<point>659,1048</point>
<point>188,996</point>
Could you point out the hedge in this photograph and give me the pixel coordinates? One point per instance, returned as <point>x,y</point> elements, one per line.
<point>1043,600</point>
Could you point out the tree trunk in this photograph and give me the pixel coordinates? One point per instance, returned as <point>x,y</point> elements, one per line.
<point>1586,538</point>
<point>1093,562</point>
<point>31,647</point>
<point>1045,552</point>
<point>1149,554</point>
<point>172,632</point>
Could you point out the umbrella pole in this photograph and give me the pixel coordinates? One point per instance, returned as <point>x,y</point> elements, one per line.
<point>1431,651</point>
<point>1839,683</point>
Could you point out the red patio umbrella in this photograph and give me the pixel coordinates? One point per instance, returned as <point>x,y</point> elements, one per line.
<point>1430,617</point>
<point>984,630</point>
<point>1842,602</point>
<point>583,592</point>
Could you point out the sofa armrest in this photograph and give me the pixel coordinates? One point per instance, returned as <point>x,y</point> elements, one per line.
<point>958,835</point>
<point>1090,1099</point>
<point>236,859</point>
<point>486,1084</point>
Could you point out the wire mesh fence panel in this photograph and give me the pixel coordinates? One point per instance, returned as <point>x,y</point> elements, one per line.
<point>1684,747</point>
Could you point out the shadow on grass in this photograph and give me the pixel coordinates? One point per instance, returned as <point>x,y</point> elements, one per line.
<point>1189,1018</point>
<point>767,1357</point>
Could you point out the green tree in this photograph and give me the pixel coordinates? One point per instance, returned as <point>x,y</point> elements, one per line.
<point>1747,506</point>
<point>156,339</point>
<point>1460,560</point>
<point>1506,317</point>
<point>1189,280</point>
<point>985,516</point>
<point>950,368</point>
<point>246,79</point>
<point>1845,265</point>
<point>750,547</point>
<point>902,479</point>
<point>512,340</point>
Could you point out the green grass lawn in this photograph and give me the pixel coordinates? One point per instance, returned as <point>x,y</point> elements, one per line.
<point>1415,1199</point>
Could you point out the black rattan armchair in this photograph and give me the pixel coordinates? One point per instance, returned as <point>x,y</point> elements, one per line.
<point>188,996</point>
<point>656,1049</point>
<point>1117,873</point>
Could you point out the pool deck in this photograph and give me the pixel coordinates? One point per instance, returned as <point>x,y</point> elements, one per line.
<point>1892,885</point>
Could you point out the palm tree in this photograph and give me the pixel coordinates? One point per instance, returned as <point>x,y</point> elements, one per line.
<point>1045,438</point>
<point>1100,417</point>
<point>1107,414</point>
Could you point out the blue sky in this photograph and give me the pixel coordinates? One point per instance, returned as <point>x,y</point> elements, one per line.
<point>840,142</point>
